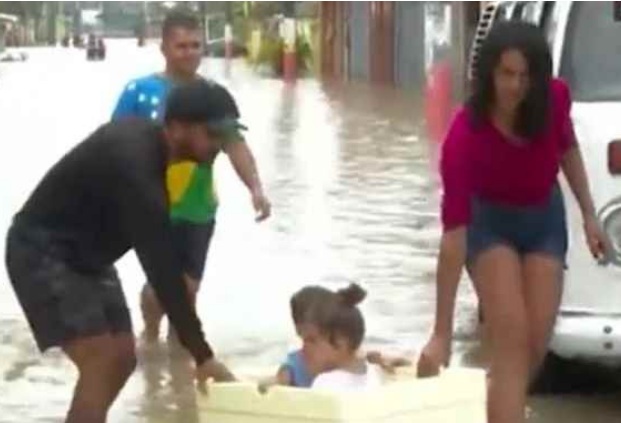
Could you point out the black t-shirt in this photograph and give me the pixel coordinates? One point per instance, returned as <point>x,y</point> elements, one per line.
<point>108,195</point>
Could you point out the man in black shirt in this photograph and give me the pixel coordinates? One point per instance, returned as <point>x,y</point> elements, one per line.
<point>104,197</point>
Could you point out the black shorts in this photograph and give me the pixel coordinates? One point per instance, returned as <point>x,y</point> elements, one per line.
<point>192,243</point>
<point>60,303</point>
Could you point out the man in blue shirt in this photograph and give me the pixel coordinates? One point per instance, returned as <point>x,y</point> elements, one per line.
<point>191,191</point>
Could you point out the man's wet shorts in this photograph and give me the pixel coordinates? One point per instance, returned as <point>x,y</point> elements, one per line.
<point>61,303</point>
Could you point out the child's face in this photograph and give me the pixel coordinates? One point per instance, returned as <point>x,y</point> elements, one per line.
<point>308,334</point>
<point>320,354</point>
<point>301,329</point>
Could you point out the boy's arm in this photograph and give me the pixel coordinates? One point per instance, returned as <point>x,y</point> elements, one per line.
<point>282,377</point>
<point>244,164</point>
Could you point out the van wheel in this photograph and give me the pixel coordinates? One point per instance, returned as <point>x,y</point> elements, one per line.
<point>562,376</point>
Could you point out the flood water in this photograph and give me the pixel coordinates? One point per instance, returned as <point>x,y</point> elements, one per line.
<point>355,198</point>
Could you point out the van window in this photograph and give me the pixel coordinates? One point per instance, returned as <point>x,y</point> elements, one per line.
<point>505,11</point>
<point>533,12</point>
<point>591,61</point>
<point>550,24</point>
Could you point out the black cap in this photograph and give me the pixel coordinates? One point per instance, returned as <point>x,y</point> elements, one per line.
<point>203,101</point>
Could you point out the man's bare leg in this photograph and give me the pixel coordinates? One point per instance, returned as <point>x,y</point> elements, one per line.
<point>97,389</point>
<point>152,313</point>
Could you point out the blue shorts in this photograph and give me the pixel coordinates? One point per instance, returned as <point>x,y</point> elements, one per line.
<point>192,242</point>
<point>526,230</point>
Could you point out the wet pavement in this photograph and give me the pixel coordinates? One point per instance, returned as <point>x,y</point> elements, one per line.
<point>355,198</point>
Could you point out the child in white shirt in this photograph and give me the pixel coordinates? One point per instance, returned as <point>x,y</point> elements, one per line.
<point>335,331</point>
<point>297,371</point>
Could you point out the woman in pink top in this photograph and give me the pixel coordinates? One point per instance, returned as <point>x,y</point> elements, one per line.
<point>503,213</point>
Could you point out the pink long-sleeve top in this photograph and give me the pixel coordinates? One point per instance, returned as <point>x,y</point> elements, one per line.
<point>479,161</point>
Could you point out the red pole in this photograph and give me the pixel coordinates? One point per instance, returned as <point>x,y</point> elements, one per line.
<point>289,55</point>
<point>438,107</point>
<point>289,34</point>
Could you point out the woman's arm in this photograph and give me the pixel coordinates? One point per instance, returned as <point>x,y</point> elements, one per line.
<point>575,173</point>
<point>451,260</point>
<point>455,169</point>
<point>574,170</point>
<point>571,163</point>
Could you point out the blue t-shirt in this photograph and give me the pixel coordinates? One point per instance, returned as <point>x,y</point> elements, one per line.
<point>190,185</point>
<point>143,97</point>
<point>297,369</point>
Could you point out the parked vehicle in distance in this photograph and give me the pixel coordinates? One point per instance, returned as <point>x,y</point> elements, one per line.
<point>95,48</point>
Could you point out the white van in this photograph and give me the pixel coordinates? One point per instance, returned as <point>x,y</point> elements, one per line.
<point>585,38</point>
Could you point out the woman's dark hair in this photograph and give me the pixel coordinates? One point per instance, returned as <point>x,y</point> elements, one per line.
<point>340,317</point>
<point>302,301</point>
<point>533,113</point>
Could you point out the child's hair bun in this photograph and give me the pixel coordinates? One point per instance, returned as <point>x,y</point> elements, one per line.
<point>352,295</point>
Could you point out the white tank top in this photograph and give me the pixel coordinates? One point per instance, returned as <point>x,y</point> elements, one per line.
<point>343,380</point>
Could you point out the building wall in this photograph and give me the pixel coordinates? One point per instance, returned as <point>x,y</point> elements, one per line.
<point>409,44</point>
<point>4,28</point>
<point>385,42</point>
<point>382,42</point>
<point>333,17</point>
<point>358,40</point>
<point>448,42</point>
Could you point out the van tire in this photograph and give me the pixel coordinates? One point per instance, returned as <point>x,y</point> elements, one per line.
<point>562,376</point>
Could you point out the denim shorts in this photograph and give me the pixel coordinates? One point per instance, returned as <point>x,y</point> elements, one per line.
<point>527,230</point>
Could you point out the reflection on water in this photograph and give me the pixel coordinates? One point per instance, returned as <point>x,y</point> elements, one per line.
<point>355,199</point>
<point>169,386</point>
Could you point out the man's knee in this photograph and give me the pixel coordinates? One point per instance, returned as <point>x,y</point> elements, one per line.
<point>120,359</point>
<point>192,286</point>
<point>124,355</point>
<point>117,356</point>
<point>148,300</point>
<point>147,293</point>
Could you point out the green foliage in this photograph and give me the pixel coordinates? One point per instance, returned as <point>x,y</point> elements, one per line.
<point>304,54</point>
<point>272,52</point>
<point>23,8</point>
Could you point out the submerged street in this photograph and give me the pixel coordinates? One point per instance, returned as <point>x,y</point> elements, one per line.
<point>355,198</point>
